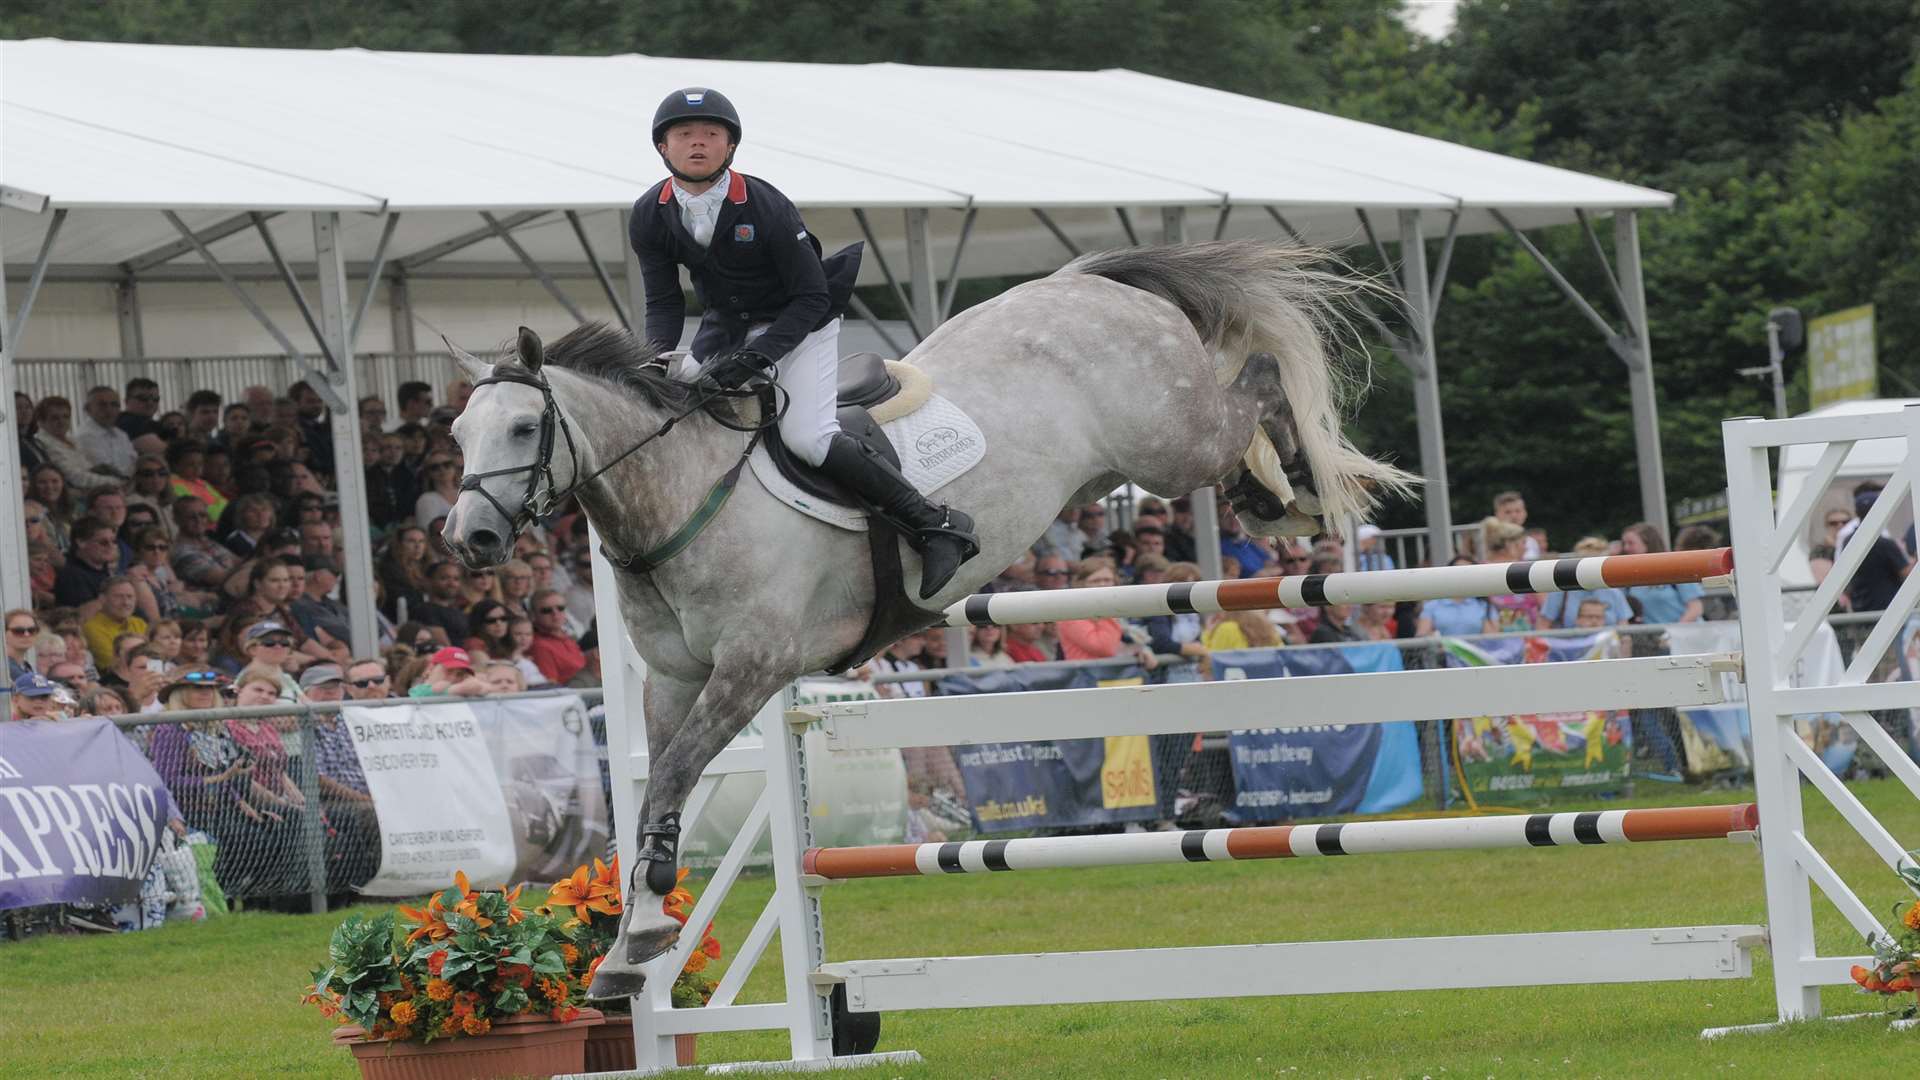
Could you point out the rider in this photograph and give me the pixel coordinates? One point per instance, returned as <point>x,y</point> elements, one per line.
<point>773,309</point>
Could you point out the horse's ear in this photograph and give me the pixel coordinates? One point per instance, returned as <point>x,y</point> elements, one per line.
<point>531,351</point>
<point>475,368</point>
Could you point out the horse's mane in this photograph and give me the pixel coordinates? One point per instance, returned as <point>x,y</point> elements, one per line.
<point>617,358</point>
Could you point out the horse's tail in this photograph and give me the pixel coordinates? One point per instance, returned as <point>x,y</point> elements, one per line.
<point>1248,296</point>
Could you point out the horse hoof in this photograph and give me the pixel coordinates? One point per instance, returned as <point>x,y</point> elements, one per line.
<point>645,943</point>
<point>614,980</point>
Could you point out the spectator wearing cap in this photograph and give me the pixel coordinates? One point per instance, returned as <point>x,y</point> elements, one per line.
<point>449,671</point>
<point>554,651</point>
<point>34,697</point>
<point>1368,553</point>
<point>116,616</point>
<point>1884,567</point>
<point>97,433</point>
<point>271,644</point>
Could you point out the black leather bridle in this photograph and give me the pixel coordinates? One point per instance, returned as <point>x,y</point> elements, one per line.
<point>532,507</point>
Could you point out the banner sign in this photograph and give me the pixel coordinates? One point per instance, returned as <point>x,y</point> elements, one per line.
<point>1719,738</point>
<point>439,803</point>
<point>549,774</point>
<point>1501,755</point>
<point>1058,783</point>
<point>81,813</point>
<point>1324,770</point>
<point>1841,360</point>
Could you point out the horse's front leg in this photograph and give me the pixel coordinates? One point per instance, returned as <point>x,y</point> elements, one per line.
<point>718,710</point>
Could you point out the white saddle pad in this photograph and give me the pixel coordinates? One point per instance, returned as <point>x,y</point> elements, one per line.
<point>937,443</point>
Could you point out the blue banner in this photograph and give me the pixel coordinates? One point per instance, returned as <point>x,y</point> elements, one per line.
<point>81,813</point>
<point>1060,783</point>
<point>1323,770</point>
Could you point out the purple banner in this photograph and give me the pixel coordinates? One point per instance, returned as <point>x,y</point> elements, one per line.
<point>81,813</point>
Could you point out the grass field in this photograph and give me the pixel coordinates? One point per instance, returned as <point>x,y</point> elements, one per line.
<point>222,998</point>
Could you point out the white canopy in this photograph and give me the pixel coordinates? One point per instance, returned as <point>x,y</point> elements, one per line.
<point>105,129</point>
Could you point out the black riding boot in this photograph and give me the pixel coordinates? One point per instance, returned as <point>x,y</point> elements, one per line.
<point>942,535</point>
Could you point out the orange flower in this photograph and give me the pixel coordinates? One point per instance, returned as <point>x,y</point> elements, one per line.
<point>400,1034</point>
<point>450,1025</point>
<point>593,967</point>
<point>555,990</point>
<point>436,962</point>
<point>576,892</point>
<point>711,947</point>
<point>439,989</point>
<point>566,1014</point>
<point>606,885</point>
<point>432,919</point>
<point>404,1012</point>
<point>570,954</point>
<point>1912,917</point>
<point>696,963</point>
<point>1860,974</point>
<point>462,1009</point>
<point>475,1025</point>
<point>679,897</point>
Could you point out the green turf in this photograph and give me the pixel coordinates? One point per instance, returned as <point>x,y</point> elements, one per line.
<point>222,998</point>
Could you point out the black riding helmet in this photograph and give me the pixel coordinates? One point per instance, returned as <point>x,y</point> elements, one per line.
<point>696,103</point>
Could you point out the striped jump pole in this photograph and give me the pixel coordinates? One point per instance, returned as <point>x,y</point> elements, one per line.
<point>1285,842</point>
<point>1361,587</point>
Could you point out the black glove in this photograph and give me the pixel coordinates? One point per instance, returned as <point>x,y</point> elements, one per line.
<point>738,367</point>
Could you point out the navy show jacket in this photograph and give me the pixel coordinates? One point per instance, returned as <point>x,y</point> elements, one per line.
<point>762,266</point>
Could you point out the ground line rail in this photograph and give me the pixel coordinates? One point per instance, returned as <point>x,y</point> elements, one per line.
<point>1568,829</point>
<point>1358,587</point>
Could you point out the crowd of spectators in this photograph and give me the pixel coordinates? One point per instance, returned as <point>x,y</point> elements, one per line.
<point>194,558</point>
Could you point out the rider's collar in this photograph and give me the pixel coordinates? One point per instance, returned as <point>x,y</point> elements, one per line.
<point>736,187</point>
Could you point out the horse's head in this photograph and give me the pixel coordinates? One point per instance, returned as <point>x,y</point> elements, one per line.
<point>520,453</point>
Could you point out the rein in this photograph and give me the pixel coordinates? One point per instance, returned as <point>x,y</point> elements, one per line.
<point>533,507</point>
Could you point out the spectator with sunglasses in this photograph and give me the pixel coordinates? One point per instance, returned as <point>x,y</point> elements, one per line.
<point>23,628</point>
<point>491,622</point>
<point>151,489</point>
<point>367,680</point>
<point>142,405</point>
<point>554,652</point>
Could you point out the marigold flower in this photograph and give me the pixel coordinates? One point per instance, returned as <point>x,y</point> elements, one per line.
<point>570,954</point>
<point>437,961</point>
<point>554,989</point>
<point>711,947</point>
<point>400,1034</point>
<point>1912,917</point>
<point>696,963</point>
<point>566,1015</point>
<point>450,1025</point>
<point>475,1025</point>
<point>439,989</point>
<point>404,1013</point>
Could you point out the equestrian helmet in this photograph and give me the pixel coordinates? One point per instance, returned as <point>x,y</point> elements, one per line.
<point>695,103</point>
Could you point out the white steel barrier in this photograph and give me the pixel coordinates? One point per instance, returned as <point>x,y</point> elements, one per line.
<point>817,992</point>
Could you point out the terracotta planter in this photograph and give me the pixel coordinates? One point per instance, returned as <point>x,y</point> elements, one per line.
<point>610,1045</point>
<point>517,1046</point>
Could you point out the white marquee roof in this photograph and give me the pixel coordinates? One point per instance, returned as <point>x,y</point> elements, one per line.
<point>115,132</point>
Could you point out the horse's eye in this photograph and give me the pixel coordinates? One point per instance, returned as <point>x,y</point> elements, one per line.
<point>525,429</point>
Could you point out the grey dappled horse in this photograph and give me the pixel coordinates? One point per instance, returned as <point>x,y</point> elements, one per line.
<point>1155,365</point>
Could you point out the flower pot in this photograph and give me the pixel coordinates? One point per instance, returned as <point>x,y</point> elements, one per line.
<point>516,1046</point>
<point>610,1046</point>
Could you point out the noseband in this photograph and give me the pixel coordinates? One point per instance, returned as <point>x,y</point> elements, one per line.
<point>540,468</point>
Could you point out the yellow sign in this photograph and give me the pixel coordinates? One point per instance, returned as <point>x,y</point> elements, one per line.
<point>1841,362</point>
<point>1126,777</point>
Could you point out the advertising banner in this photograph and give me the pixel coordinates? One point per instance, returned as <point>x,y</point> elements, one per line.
<point>437,797</point>
<point>1841,360</point>
<point>81,813</point>
<point>1501,756</point>
<point>1323,770</point>
<point>1059,783</point>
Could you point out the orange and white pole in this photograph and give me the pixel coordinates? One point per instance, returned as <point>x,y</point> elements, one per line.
<point>1360,587</point>
<point>1285,842</point>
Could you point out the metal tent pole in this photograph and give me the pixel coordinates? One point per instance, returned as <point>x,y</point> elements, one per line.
<point>349,465</point>
<point>15,589</point>
<point>1646,419</point>
<point>1423,361</point>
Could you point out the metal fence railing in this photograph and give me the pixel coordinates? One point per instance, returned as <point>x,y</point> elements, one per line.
<point>377,373</point>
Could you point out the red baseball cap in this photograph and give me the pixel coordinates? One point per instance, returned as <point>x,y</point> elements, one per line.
<point>453,657</point>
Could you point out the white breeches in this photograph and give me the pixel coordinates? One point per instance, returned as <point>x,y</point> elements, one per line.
<point>810,377</point>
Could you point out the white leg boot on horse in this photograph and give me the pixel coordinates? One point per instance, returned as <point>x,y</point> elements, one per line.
<point>1163,366</point>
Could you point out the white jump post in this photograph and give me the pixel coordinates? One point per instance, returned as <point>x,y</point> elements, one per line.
<point>1761,536</point>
